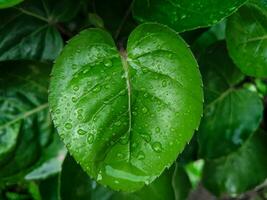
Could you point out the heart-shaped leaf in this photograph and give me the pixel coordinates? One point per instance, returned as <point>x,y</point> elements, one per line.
<point>183,15</point>
<point>246,35</point>
<point>231,113</point>
<point>126,115</point>
<point>9,3</point>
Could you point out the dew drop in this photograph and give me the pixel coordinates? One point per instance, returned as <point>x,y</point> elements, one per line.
<point>90,138</point>
<point>118,123</point>
<point>141,155</point>
<point>74,99</point>
<point>157,129</point>
<point>76,88</point>
<point>120,155</point>
<point>99,177</point>
<point>108,63</point>
<point>146,137</point>
<point>164,83</point>
<point>144,110</point>
<point>156,146</point>
<point>57,111</point>
<point>97,89</point>
<point>81,132</point>
<point>68,125</point>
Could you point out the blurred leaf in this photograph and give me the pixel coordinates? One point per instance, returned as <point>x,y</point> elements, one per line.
<point>181,183</point>
<point>9,3</point>
<point>85,188</point>
<point>194,172</point>
<point>49,188</point>
<point>50,161</point>
<point>231,113</point>
<point>184,15</point>
<point>23,107</point>
<point>239,171</point>
<point>246,35</point>
<point>95,20</point>
<point>29,30</point>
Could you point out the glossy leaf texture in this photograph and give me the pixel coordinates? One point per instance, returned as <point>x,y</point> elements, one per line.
<point>126,116</point>
<point>246,35</point>
<point>182,15</point>
<point>86,188</point>
<point>231,113</point>
<point>39,39</point>
<point>240,171</point>
<point>9,3</point>
<point>25,125</point>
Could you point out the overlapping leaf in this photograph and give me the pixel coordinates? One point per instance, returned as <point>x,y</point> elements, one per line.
<point>29,31</point>
<point>126,116</point>
<point>9,3</point>
<point>184,15</point>
<point>239,171</point>
<point>246,35</point>
<point>25,125</point>
<point>232,113</point>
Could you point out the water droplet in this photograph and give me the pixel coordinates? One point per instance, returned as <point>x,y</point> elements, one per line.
<point>68,125</point>
<point>90,138</point>
<point>123,140</point>
<point>81,132</point>
<point>107,86</point>
<point>68,145</point>
<point>183,16</point>
<point>57,111</point>
<point>157,129</point>
<point>118,123</point>
<point>146,95</point>
<point>120,155</point>
<point>146,137</point>
<point>74,99</point>
<point>80,117</point>
<point>144,110</point>
<point>97,89</point>
<point>134,113</point>
<point>156,146</point>
<point>141,155</point>
<point>116,182</point>
<point>108,63</point>
<point>76,88</point>
<point>164,83</point>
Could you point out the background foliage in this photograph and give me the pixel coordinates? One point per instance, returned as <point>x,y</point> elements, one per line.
<point>225,159</point>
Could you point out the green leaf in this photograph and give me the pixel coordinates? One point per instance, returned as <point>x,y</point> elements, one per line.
<point>23,105</point>
<point>85,188</point>
<point>9,3</point>
<point>126,116</point>
<point>246,34</point>
<point>231,113</point>
<point>241,170</point>
<point>29,30</point>
<point>181,183</point>
<point>183,15</point>
<point>49,188</point>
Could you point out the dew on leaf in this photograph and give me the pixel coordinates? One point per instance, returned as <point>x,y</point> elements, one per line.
<point>144,110</point>
<point>90,138</point>
<point>141,155</point>
<point>164,83</point>
<point>81,132</point>
<point>108,63</point>
<point>76,88</point>
<point>146,137</point>
<point>157,129</point>
<point>157,147</point>
<point>74,99</point>
<point>68,125</point>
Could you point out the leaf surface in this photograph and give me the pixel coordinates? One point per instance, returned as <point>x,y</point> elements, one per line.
<point>241,170</point>
<point>183,15</point>
<point>9,3</point>
<point>231,113</point>
<point>126,116</point>
<point>246,35</point>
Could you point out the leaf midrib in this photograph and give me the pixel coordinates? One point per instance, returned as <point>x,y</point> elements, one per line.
<point>125,66</point>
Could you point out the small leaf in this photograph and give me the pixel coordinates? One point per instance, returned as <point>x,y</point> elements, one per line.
<point>231,114</point>
<point>246,35</point>
<point>125,117</point>
<point>9,3</point>
<point>240,171</point>
<point>183,15</point>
